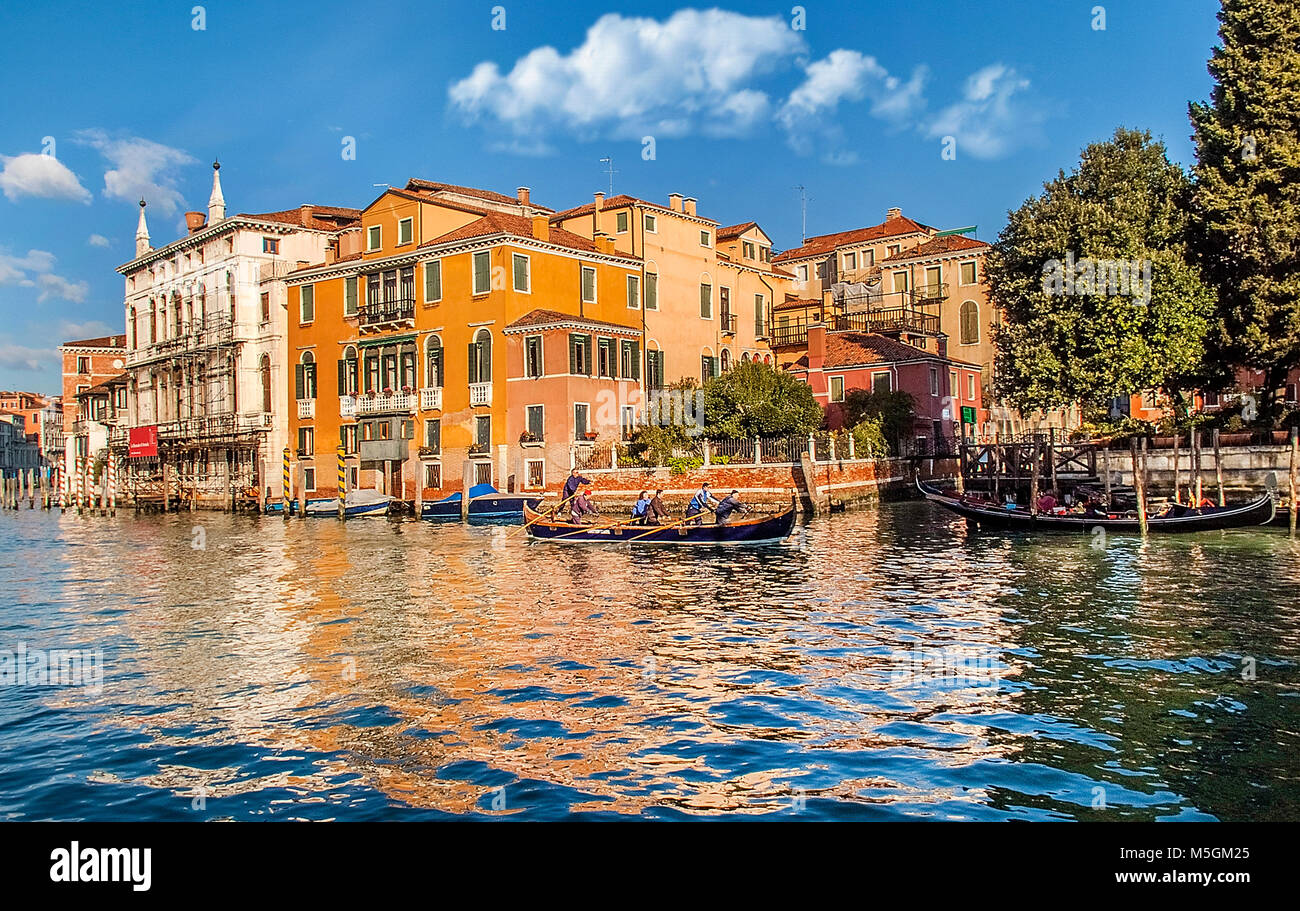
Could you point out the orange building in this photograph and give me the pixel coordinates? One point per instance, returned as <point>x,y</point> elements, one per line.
<point>412,347</point>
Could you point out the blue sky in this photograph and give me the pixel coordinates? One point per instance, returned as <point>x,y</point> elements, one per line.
<point>856,106</point>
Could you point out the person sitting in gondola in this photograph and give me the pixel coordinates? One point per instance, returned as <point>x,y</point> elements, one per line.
<point>640,507</point>
<point>729,506</point>
<point>583,510</point>
<point>656,512</point>
<point>701,501</point>
<point>1047,503</point>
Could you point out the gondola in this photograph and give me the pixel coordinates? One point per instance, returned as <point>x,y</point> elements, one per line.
<point>758,530</point>
<point>485,502</point>
<point>1180,519</point>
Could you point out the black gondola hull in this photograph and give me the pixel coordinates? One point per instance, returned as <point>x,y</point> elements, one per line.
<point>769,530</point>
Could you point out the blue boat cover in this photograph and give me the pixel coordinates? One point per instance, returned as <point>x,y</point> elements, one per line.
<point>478,490</point>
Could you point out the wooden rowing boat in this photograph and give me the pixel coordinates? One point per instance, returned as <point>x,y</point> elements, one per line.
<point>758,530</point>
<point>1180,519</point>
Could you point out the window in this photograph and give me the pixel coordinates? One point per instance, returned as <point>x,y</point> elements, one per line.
<point>803,273</point>
<point>894,249</point>
<point>348,440</point>
<point>970,386</point>
<point>580,354</point>
<point>482,272</point>
<point>651,224</point>
<point>433,437</point>
<point>881,382</point>
<point>536,473</point>
<point>306,303</point>
<point>433,362</point>
<point>900,281</point>
<point>350,295</point>
<point>306,440</point>
<point>374,237</point>
<point>433,475</point>
<point>933,281</point>
<point>654,369</point>
<point>580,421</point>
<point>724,360</point>
<point>309,479</point>
<point>704,238</point>
<point>368,431</point>
<point>407,281</point>
<point>620,222</point>
<point>934,381</point>
<point>536,418</point>
<point>270,245</point>
<point>627,421</point>
<point>652,290</point>
<point>304,379</point>
<point>706,300</point>
<point>480,357</point>
<point>483,431</point>
<point>970,323</point>
<point>520,268</point>
<point>708,368</point>
<point>633,292</point>
<point>629,359</point>
<point>83,364</point>
<point>533,356</point>
<point>760,316</point>
<point>373,296</point>
<point>765,254</point>
<point>850,261</point>
<point>954,387</point>
<point>837,389</point>
<point>968,273</point>
<point>266,306</point>
<point>405,230</point>
<point>433,281</point>
<point>605,357</point>
<point>385,429</point>
<point>588,285</point>
<point>747,249</point>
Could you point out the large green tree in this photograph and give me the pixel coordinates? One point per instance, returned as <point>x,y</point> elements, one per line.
<point>753,399</point>
<point>1094,280</point>
<point>1247,199</point>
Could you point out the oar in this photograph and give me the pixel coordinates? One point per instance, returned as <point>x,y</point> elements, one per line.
<point>578,531</point>
<point>664,528</point>
<point>542,515</point>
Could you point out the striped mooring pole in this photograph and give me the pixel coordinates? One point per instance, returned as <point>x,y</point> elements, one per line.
<point>343,485</point>
<point>111,468</point>
<point>63,488</point>
<point>285,493</point>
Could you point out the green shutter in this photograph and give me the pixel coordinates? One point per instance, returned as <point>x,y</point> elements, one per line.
<point>573,354</point>
<point>635,360</point>
<point>590,340</point>
<point>298,381</point>
<point>350,295</point>
<point>343,377</point>
<point>472,360</point>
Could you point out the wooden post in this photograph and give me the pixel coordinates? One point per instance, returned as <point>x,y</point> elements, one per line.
<point>1177,499</point>
<point>1295,475</point>
<point>343,485</point>
<point>1196,464</point>
<point>301,475</point>
<point>1051,461</point>
<point>1139,488</point>
<point>961,462</point>
<point>1105,469</point>
<point>466,482</point>
<point>995,465</point>
<point>1033,478</point>
<point>1218,465</point>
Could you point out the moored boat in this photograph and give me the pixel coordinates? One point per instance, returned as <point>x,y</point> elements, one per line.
<point>758,530</point>
<point>1178,519</point>
<point>357,504</point>
<point>485,502</point>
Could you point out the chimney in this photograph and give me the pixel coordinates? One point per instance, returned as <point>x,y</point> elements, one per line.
<point>216,202</point>
<point>541,224</point>
<point>142,235</point>
<point>331,251</point>
<point>194,221</point>
<point>941,344</point>
<point>675,201</point>
<point>688,205</point>
<point>600,200</point>
<point>307,213</point>
<point>523,193</point>
<point>816,346</point>
<point>895,212</point>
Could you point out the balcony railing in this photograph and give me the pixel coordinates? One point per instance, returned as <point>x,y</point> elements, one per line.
<point>893,319</point>
<point>728,323</point>
<point>431,398</point>
<point>379,314</point>
<point>347,406</point>
<point>306,408</point>
<point>393,402</point>
<point>935,292</point>
<point>480,393</point>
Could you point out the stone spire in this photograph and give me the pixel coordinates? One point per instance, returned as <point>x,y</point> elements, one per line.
<point>216,202</point>
<point>142,234</point>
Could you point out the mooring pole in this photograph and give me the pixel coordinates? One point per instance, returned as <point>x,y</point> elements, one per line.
<point>1218,465</point>
<point>1295,475</point>
<point>1139,488</point>
<point>1033,477</point>
<point>1176,477</point>
<point>343,483</point>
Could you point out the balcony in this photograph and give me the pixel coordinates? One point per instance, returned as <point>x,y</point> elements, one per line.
<point>480,393</point>
<point>891,319</point>
<point>347,406</point>
<point>306,408</point>
<point>431,398</point>
<point>928,293</point>
<point>728,323</point>
<point>389,314</point>
<point>392,403</point>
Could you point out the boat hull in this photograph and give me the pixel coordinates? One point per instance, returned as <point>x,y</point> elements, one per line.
<point>1257,512</point>
<point>492,506</point>
<point>767,530</point>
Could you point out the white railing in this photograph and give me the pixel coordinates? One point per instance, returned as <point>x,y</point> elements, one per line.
<point>306,408</point>
<point>480,393</point>
<point>431,398</point>
<point>394,401</point>
<point>347,406</point>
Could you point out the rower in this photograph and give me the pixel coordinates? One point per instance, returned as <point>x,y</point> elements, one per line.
<point>656,511</point>
<point>639,508</point>
<point>730,504</point>
<point>582,508</point>
<point>701,501</point>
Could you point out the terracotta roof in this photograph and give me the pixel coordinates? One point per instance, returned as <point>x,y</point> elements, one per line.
<point>519,226</point>
<point>542,318</point>
<point>940,245</point>
<point>620,201</point>
<point>798,303</point>
<point>432,186</point>
<point>782,272</point>
<point>859,349</point>
<point>735,230</point>
<point>104,341</point>
<point>320,218</point>
<point>825,243</point>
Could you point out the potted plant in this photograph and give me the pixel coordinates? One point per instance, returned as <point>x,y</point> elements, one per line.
<point>388,390</point>
<point>407,390</point>
<point>589,435</point>
<point>529,437</point>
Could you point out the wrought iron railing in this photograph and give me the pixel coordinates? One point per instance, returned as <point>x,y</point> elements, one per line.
<point>380,313</point>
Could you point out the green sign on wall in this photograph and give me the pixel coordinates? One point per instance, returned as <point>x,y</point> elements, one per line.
<point>967,414</point>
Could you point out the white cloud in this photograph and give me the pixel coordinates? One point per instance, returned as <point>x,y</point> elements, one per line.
<point>40,176</point>
<point>56,286</point>
<point>17,357</point>
<point>636,76</point>
<point>14,269</point>
<point>139,168</point>
<point>98,240</point>
<point>990,119</point>
<point>89,329</point>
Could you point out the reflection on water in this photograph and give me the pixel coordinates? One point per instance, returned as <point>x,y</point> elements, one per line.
<point>397,669</point>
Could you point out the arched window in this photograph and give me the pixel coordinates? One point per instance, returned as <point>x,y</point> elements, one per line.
<point>433,361</point>
<point>970,323</point>
<point>153,322</point>
<point>131,320</point>
<point>304,380</point>
<point>745,357</point>
<point>480,357</point>
<point>264,371</point>
<point>725,360</point>
<point>348,373</point>
<point>767,359</point>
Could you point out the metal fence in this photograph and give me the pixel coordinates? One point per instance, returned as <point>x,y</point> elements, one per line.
<point>607,454</point>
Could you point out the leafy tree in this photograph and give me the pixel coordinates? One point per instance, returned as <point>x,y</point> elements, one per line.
<point>1247,200</point>
<point>869,437</point>
<point>893,412</point>
<point>1073,332</point>
<point>753,399</point>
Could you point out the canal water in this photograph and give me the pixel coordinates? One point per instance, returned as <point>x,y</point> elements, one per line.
<point>887,665</point>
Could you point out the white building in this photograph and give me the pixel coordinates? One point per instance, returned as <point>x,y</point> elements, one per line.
<point>206,337</point>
